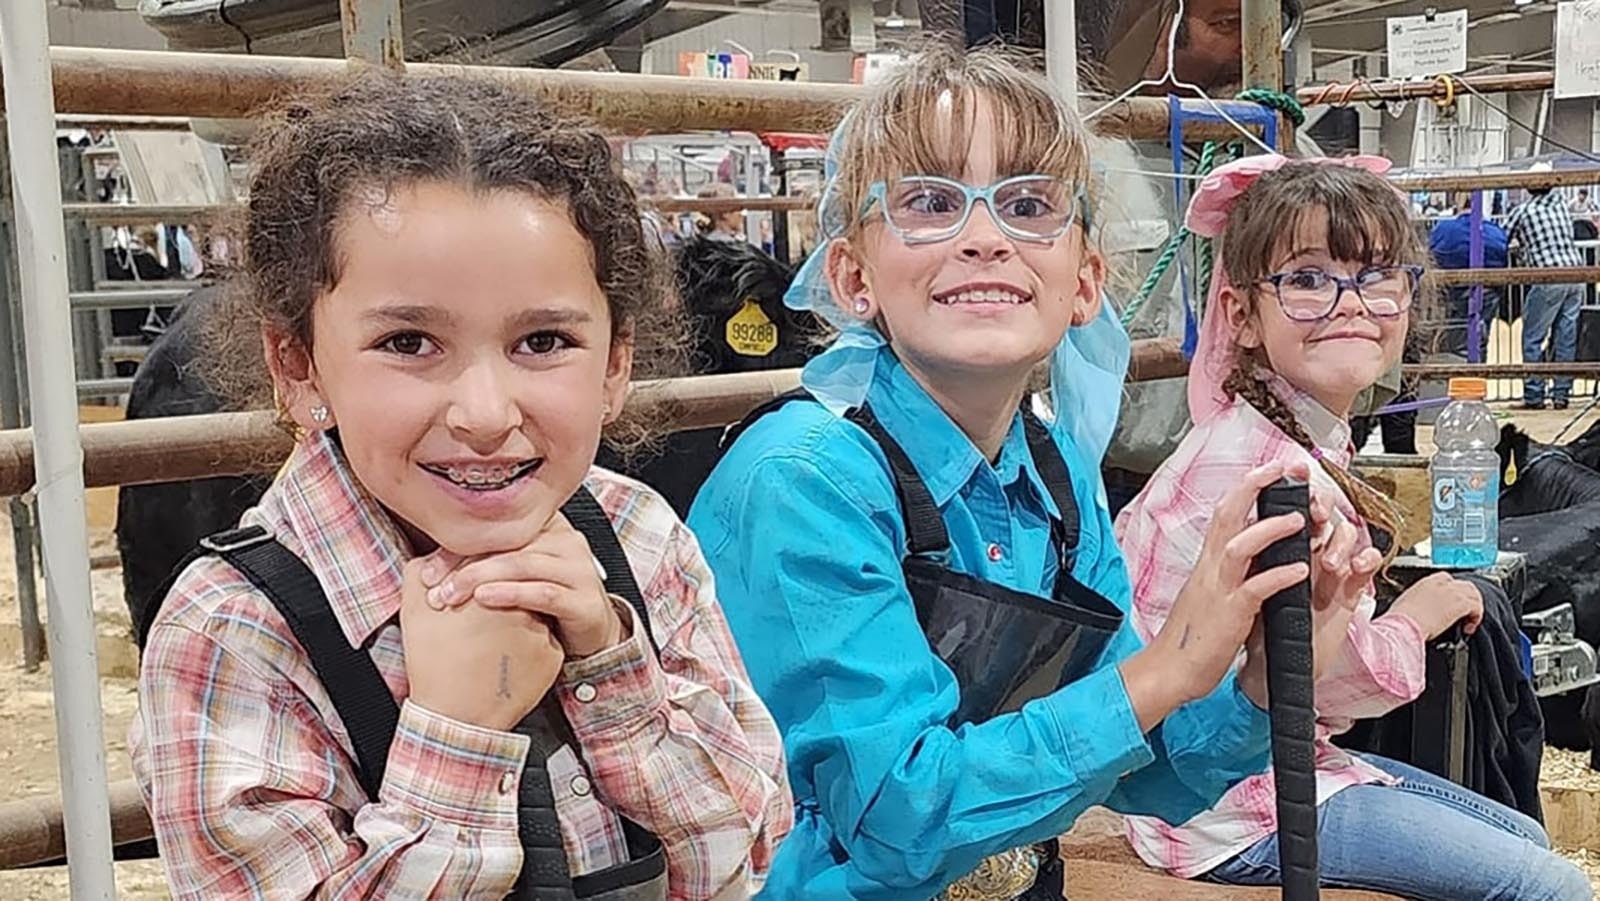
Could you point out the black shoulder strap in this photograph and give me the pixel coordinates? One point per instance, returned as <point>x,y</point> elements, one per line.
<point>925,531</point>
<point>1057,480</point>
<point>348,675</point>
<point>734,430</point>
<point>586,515</point>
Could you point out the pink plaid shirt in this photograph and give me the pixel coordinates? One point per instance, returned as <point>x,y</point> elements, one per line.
<point>249,774</point>
<point>1381,665</point>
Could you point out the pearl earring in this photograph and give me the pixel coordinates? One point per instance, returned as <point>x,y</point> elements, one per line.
<point>862,306</point>
<point>319,413</point>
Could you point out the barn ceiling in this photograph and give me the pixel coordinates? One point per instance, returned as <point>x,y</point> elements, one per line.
<point>1501,32</point>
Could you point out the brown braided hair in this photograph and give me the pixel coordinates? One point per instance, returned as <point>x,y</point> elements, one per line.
<point>1369,223</point>
<point>1374,507</point>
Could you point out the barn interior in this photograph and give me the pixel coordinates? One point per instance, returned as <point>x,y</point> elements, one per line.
<point>720,111</point>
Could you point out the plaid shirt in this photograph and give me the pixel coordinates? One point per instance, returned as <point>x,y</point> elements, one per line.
<point>249,774</point>
<point>1543,227</point>
<point>1381,665</point>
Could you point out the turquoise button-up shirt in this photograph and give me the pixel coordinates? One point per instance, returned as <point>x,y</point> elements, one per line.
<point>805,537</point>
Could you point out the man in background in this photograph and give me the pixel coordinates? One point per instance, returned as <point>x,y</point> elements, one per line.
<point>1451,243</point>
<point>1542,229</point>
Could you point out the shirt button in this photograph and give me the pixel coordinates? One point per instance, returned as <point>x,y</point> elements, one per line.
<point>995,553</point>
<point>580,786</point>
<point>584,692</point>
<point>508,783</point>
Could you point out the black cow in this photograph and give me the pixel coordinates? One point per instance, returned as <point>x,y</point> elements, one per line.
<point>1547,478</point>
<point>717,282</point>
<point>1551,513</point>
<point>1586,447</point>
<point>158,524</point>
<point>732,294</point>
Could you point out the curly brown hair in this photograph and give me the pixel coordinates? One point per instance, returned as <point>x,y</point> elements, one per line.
<point>318,154</point>
<point>1367,223</point>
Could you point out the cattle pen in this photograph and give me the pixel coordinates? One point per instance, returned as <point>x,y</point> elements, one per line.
<point>52,459</point>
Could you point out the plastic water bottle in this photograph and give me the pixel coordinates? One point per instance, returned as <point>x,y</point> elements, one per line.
<point>1466,480</point>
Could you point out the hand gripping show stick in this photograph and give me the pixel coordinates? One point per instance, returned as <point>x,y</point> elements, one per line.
<point>1287,616</point>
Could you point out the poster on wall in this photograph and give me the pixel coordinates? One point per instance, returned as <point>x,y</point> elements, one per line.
<point>1427,45</point>
<point>1577,43</point>
<point>714,65</point>
<point>780,72</point>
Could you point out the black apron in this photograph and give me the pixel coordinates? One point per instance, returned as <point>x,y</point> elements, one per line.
<point>1005,647</point>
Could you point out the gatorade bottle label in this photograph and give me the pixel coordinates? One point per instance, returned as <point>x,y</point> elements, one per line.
<point>1462,509</point>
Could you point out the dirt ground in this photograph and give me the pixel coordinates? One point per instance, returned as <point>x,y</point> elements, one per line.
<point>27,747</point>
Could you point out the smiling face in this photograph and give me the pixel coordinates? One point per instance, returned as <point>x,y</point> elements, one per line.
<point>466,356</point>
<point>1344,221</point>
<point>1332,359</point>
<point>982,304</point>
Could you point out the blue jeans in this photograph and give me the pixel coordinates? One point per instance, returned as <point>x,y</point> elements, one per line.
<point>1551,311</point>
<point>1426,838</point>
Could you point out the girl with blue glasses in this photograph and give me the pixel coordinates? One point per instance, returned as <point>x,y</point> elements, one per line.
<point>919,567</point>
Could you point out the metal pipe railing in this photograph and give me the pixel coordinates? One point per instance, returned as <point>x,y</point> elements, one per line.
<point>152,213</point>
<point>224,85</point>
<point>1518,275</point>
<point>42,245</point>
<point>1494,181</point>
<point>91,388</point>
<point>222,444</point>
<point>125,299</point>
<point>1364,90</point>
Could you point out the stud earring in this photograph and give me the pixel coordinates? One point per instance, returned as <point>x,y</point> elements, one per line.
<point>862,306</point>
<point>319,413</point>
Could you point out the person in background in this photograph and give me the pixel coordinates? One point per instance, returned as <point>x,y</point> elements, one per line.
<point>726,226</point>
<point>1583,206</point>
<point>1451,244</point>
<point>1542,227</point>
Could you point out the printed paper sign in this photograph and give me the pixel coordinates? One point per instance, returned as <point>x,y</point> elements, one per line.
<point>1577,43</point>
<point>1420,46</point>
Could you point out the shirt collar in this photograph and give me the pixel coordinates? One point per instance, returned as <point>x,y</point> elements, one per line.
<point>1329,432</point>
<point>943,454</point>
<point>343,534</point>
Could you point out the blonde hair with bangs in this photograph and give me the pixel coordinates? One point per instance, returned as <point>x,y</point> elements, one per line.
<point>918,121</point>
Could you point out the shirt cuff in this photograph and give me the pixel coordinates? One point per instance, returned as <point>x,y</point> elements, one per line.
<point>454,771</point>
<point>615,688</point>
<point>1098,728</point>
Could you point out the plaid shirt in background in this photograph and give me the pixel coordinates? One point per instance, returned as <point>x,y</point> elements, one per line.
<point>1543,227</point>
<point>250,776</point>
<point>1380,667</point>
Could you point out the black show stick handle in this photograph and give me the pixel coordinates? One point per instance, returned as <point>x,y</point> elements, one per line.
<point>1289,685</point>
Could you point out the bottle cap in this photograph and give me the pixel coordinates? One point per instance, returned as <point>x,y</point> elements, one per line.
<point>1468,389</point>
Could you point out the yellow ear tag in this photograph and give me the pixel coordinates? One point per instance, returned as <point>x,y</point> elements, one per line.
<point>1511,471</point>
<point>750,333</point>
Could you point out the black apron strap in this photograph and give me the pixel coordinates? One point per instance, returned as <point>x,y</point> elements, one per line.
<point>349,676</point>
<point>586,515</point>
<point>733,431</point>
<point>925,531</point>
<point>1058,481</point>
<point>546,874</point>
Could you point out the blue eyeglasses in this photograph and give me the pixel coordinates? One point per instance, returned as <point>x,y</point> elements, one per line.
<point>1311,294</point>
<point>927,209</point>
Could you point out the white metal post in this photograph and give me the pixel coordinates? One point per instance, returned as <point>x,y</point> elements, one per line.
<point>58,455</point>
<point>1061,46</point>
